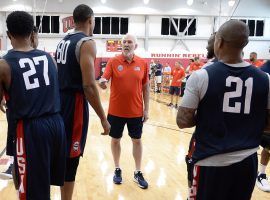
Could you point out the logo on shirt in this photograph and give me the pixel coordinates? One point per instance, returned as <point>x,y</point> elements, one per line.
<point>137,68</point>
<point>76,146</point>
<point>120,68</point>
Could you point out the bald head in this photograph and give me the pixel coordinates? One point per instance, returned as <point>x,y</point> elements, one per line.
<point>235,33</point>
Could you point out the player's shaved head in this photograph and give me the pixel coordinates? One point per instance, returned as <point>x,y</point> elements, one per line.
<point>235,33</point>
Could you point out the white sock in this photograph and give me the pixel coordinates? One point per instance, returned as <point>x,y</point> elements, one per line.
<point>262,169</point>
<point>136,171</point>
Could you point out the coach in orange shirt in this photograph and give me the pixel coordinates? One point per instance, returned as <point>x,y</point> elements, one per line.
<point>129,103</point>
<point>178,74</point>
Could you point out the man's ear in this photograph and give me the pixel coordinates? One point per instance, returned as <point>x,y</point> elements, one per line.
<point>9,35</point>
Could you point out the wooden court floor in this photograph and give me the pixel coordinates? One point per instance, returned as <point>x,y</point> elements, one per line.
<point>163,163</point>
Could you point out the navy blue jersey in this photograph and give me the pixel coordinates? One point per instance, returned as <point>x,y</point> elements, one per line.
<point>67,58</point>
<point>231,116</point>
<point>158,69</point>
<point>34,89</point>
<point>266,67</point>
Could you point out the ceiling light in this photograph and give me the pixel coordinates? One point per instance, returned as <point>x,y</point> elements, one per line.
<point>14,0</point>
<point>146,2</point>
<point>103,1</point>
<point>189,2</point>
<point>231,3</point>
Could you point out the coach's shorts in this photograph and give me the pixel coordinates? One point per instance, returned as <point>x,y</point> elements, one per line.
<point>40,156</point>
<point>234,182</point>
<point>174,90</point>
<point>134,126</point>
<point>75,113</point>
<point>265,141</point>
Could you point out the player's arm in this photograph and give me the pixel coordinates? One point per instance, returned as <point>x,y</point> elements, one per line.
<point>146,93</point>
<point>186,115</point>
<point>87,59</point>
<point>4,81</point>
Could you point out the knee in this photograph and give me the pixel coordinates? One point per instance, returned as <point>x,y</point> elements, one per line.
<point>136,142</point>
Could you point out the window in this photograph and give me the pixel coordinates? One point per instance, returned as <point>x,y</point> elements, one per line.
<point>256,27</point>
<point>167,27</point>
<point>111,25</point>
<point>50,24</point>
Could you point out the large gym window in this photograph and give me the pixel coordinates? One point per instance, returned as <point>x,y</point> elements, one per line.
<point>170,25</point>
<point>256,27</point>
<point>111,25</point>
<point>50,24</point>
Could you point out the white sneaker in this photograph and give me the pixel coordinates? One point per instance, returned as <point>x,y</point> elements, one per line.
<point>262,183</point>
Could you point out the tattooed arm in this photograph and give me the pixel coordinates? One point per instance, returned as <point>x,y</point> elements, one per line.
<point>186,117</point>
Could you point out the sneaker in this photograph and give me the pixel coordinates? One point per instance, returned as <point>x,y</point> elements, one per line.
<point>138,178</point>
<point>176,106</point>
<point>117,178</point>
<point>170,104</point>
<point>8,173</point>
<point>262,183</point>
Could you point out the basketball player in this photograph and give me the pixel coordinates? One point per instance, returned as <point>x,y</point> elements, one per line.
<point>75,56</point>
<point>129,103</point>
<point>211,59</point>
<point>228,102</point>
<point>29,77</point>
<point>261,181</point>
<point>12,125</point>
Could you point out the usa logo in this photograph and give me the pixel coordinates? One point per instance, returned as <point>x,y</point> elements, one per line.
<point>137,68</point>
<point>120,68</point>
<point>76,146</point>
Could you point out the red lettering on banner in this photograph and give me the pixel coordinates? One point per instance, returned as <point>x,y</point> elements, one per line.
<point>68,23</point>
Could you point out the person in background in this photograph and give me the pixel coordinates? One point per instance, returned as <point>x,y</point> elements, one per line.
<point>178,74</point>
<point>254,61</point>
<point>158,76</point>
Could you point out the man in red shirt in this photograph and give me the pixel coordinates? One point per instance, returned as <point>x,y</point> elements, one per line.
<point>178,74</point>
<point>254,61</point>
<point>129,103</point>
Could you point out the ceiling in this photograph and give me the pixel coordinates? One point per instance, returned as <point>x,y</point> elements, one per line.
<point>248,8</point>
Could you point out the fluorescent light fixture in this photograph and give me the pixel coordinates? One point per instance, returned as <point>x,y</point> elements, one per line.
<point>231,3</point>
<point>14,0</point>
<point>146,2</point>
<point>189,2</point>
<point>103,1</point>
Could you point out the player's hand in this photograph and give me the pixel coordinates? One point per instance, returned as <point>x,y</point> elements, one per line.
<point>106,127</point>
<point>3,106</point>
<point>145,116</point>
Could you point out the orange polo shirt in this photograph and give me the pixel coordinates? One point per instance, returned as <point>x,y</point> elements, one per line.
<point>195,66</point>
<point>177,75</point>
<point>257,63</point>
<point>127,80</point>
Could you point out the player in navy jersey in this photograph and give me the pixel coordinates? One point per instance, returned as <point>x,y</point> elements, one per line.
<point>75,56</point>
<point>29,78</point>
<point>211,59</point>
<point>228,102</point>
<point>12,124</point>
